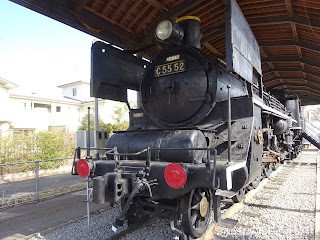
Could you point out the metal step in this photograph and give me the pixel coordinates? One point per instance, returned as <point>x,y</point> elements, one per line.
<point>311,140</point>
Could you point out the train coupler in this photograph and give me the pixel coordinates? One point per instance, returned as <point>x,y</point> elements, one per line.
<point>110,187</point>
<point>139,186</point>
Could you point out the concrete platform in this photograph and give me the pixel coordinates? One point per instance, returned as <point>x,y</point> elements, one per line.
<point>20,221</point>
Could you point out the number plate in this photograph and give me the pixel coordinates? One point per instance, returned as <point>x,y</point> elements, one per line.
<point>170,68</point>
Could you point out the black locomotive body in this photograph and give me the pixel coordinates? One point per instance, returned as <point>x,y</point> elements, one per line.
<point>201,132</point>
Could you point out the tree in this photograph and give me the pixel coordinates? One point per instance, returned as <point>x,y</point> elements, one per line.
<point>84,123</point>
<point>119,125</point>
<point>102,125</point>
<point>119,113</point>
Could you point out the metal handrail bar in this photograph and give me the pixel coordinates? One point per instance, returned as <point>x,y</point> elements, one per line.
<point>182,148</point>
<point>309,128</point>
<point>157,149</point>
<point>45,160</point>
<point>92,148</point>
<point>308,123</point>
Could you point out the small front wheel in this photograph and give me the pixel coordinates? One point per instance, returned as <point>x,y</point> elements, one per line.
<point>195,210</point>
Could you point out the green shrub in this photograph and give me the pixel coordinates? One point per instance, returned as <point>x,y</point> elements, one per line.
<point>38,146</point>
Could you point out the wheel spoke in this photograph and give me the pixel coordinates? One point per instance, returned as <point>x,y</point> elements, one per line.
<point>197,196</point>
<point>196,206</point>
<point>193,219</point>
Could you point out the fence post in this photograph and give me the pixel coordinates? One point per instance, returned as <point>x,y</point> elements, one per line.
<point>37,181</point>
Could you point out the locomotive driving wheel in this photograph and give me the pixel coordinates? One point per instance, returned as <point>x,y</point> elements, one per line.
<point>195,209</point>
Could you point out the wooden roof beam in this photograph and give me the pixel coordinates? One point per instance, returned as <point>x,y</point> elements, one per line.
<point>146,19</point>
<point>106,7</point>
<point>315,74</point>
<point>307,89</point>
<point>157,5</point>
<point>296,38</point>
<point>274,20</point>
<point>80,4</point>
<point>94,3</point>
<point>295,34</point>
<point>214,35</point>
<point>139,15</point>
<point>118,9</point>
<point>301,44</point>
<point>291,60</point>
<point>176,11</point>
<point>305,99</point>
<point>295,85</point>
<point>269,81</point>
<point>309,22</point>
<point>212,49</point>
<point>271,66</point>
<point>289,7</point>
<point>132,8</point>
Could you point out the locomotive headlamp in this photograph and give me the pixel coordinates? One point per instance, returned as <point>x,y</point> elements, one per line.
<point>164,30</point>
<point>168,31</point>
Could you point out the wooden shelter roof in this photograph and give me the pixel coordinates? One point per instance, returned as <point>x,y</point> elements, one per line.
<point>288,31</point>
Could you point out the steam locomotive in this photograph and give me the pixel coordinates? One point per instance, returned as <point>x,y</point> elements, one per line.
<point>201,132</point>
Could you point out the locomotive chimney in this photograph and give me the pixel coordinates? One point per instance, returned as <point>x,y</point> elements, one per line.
<point>191,28</point>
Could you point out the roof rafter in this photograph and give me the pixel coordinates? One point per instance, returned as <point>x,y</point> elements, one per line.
<point>301,44</point>
<point>289,7</point>
<point>292,59</point>
<point>306,89</point>
<point>157,5</point>
<point>132,8</point>
<point>285,19</point>
<point>315,74</point>
<point>214,35</point>
<point>80,4</point>
<point>212,49</point>
<point>269,81</point>
<point>305,99</point>
<point>116,11</point>
<point>295,85</point>
<point>176,11</point>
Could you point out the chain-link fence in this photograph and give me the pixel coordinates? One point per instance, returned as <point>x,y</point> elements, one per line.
<point>31,181</point>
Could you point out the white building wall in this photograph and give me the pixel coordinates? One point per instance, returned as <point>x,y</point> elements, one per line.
<point>82,91</point>
<point>26,116</point>
<point>35,113</point>
<point>4,104</point>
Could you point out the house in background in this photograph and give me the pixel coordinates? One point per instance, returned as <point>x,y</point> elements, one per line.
<point>77,90</point>
<point>6,116</point>
<point>23,112</point>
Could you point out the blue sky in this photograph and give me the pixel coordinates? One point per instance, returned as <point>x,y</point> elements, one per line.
<point>39,53</point>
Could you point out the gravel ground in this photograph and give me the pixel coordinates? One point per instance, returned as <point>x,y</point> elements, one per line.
<point>101,229</point>
<point>283,209</point>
